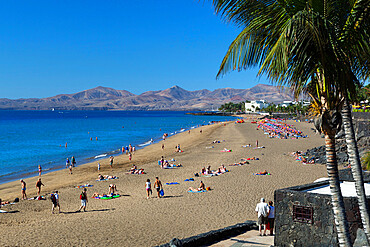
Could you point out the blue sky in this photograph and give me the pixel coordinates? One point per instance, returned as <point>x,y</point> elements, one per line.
<point>53,47</point>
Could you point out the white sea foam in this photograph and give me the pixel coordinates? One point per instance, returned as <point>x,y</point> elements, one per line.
<point>100,156</point>
<point>145,144</point>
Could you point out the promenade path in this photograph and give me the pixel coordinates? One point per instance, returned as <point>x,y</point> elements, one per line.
<point>250,238</point>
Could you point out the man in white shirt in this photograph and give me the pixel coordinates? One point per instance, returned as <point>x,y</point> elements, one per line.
<point>262,210</point>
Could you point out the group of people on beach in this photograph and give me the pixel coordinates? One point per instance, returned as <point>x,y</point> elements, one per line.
<point>135,170</point>
<point>70,164</point>
<point>207,171</point>
<point>157,186</point>
<point>24,188</point>
<point>129,150</point>
<point>276,128</point>
<point>300,156</point>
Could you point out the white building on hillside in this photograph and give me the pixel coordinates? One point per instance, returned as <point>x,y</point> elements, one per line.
<point>254,104</point>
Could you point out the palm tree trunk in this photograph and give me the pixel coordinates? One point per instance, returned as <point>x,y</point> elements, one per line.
<point>354,159</point>
<point>340,217</point>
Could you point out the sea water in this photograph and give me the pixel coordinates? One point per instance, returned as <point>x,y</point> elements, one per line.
<point>47,138</point>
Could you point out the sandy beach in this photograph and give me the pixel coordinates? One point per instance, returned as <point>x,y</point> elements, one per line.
<point>134,220</point>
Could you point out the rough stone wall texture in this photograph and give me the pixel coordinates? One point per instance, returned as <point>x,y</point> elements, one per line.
<point>322,231</point>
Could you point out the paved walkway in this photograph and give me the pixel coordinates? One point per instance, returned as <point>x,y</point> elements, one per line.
<point>250,238</point>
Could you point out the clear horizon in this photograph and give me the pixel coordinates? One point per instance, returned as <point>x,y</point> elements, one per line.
<point>71,46</point>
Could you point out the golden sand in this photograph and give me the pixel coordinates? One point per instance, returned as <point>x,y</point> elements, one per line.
<point>133,220</point>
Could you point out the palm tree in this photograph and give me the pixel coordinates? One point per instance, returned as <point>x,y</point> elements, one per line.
<point>353,41</point>
<point>296,44</point>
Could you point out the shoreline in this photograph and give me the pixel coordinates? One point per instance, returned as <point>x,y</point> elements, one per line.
<point>15,176</point>
<point>89,165</point>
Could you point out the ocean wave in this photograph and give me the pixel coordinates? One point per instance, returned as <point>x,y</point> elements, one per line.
<point>145,144</point>
<point>100,156</point>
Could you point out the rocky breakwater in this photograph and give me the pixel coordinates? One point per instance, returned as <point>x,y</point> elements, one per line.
<point>362,131</point>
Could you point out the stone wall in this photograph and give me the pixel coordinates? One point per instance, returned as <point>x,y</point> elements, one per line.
<point>208,238</point>
<point>322,231</point>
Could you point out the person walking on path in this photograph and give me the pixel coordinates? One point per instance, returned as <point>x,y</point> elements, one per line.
<point>148,186</point>
<point>111,158</point>
<point>158,186</point>
<point>271,218</point>
<point>262,210</point>
<point>55,200</point>
<point>38,186</point>
<point>24,195</point>
<point>84,200</point>
<point>73,161</point>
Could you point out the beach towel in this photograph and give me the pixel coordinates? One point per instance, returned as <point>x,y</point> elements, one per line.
<point>261,174</point>
<point>172,183</point>
<point>189,180</point>
<point>226,150</point>
<point>197,191</point>
<point>107,197</point>
<point>3,211</point>
<point>84,186</point>
<point>208,176</point>
<point>237,164</point>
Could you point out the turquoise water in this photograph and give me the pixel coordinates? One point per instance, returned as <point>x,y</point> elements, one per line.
<point>32,138</point>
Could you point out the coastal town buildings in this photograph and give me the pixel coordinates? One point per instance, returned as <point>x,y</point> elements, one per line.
<point>255,105</point>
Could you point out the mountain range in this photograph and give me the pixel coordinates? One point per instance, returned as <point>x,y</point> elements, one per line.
<point>174,98</point>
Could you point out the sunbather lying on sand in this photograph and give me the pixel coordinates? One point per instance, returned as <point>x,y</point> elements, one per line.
<point>240,163</point>
<point>168,165</point>
<point>133,168</point>
<point>106,177</point>
<point>98,195</point>
<point>253,158</point>
<point>137,171</point>
<point>201,187</point>
<point>262,173</point>
<point>221,169</point>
